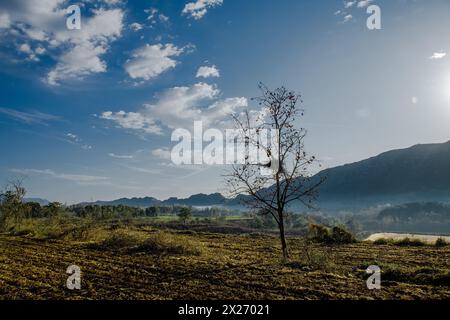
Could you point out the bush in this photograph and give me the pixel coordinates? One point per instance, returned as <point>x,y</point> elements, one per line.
<point>165,244</point>
<point>342,236</point>
<point>407,242</point>
<point>381,241</point>
<point>118,240</point>
<point>440,242</point>
<point>319,233</point>
<point>185,214</point>
<point>337,235</point>
<point>316,259</point>
<point>42,228</point>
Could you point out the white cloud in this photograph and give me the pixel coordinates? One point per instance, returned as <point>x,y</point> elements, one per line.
<point>364,3</point>
<point>136,26</point>
<point>163,18</point>
<point>31,55</point>
<point>347,18</point>
<point>179,107</point>
<point>77,63</point>
<point>149,61</point>
<point>45,22</point>
<point>152,15</point>
<point>414,100</point>
<point>113,2</point>
<point>25,48</point>
<point>349,4</point>
<point>133,120</point>
<point>155,16</point>
<point>438,55</point>
<point>89,44</point>
<point>207,72</point>
<point>40,50</point>
<point>199,8</point>
<point>72,136</point>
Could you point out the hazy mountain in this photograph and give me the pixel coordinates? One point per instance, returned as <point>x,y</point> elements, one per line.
<point>198,200</point>
<point>42,202</point>
<point>130,202</point>
<point>215,199</point>
<point>419,173</point>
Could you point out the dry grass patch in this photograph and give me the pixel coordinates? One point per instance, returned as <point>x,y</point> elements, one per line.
<point>166,243</point>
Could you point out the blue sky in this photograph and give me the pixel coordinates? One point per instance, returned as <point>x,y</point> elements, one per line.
<point>88,114</point>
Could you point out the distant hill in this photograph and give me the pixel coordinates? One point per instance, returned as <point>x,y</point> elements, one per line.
<point>198,200</point>
<point>42,202</point>
<point>130,202</point>
<point>418,173</point>
<point>428,211</point>
<point>215,199</point>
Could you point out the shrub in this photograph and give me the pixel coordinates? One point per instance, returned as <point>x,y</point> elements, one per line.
<point>165,244</point>
<point>43,228</point>
<point>337,235</point>
<point>341,236</point>
<point>319,233</point>
<point>317,259</point>
<point>185,214</point>
<point>440,242</point>
<point>407,242</point>
<point>118,240</point>
<point>381,241</point>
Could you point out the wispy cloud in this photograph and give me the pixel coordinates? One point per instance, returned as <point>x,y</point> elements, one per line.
<point>118,156</point>
<point>364,3</point>
<point>133,121</point>
<point>145,170</point>
<point>438,55</point>
<point>347,18</point>
<point>363,113</point>
<point>349,8</point>
<point>156,16</point>
<point>162,153</point>
<point>349,4</point>
<point>74,139</point>
<point>33,117</point>
<point>81,179</point>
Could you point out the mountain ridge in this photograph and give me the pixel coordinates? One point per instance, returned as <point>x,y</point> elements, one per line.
<point>417,173</point>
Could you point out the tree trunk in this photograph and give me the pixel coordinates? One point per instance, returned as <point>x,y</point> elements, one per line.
<point>283,240</point>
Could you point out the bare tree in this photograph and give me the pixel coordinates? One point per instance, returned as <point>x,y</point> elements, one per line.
<point>11,201</point>
<point>283,178</point>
